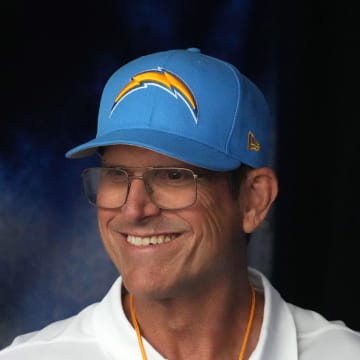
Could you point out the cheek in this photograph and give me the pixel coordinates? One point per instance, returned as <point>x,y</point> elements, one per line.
<point>220,212</point>
<point>104,217</point>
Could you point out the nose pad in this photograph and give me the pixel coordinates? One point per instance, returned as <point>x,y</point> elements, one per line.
<point>148,188</point>
<point>139,195</point>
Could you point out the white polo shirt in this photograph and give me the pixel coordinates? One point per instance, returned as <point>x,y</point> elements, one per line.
<point>101,331</point>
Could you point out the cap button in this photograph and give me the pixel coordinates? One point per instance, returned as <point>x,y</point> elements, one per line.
<point>194,49</point>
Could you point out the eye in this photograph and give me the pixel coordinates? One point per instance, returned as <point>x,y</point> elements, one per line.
<point>114,175</point>
<point>172,177</point>
<point>175,174</point>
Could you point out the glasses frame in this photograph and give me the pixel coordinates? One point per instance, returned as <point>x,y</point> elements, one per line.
<point>196,177</point>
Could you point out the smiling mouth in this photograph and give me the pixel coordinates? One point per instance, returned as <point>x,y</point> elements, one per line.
<point>150,240</point>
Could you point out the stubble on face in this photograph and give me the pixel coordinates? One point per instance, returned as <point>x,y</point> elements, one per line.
<point>202,242</point>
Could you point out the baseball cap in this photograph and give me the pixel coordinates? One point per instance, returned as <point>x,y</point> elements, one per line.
<point>186,105</point>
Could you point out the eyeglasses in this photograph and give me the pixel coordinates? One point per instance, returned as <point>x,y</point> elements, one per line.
<point>169,188</point>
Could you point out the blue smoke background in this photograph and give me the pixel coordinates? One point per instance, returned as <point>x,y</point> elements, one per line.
<point>57,57</point>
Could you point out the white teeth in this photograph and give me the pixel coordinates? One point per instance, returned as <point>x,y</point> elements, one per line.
<point>147,240</point>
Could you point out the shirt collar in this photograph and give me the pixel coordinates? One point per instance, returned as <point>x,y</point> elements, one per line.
<point>277,338</point>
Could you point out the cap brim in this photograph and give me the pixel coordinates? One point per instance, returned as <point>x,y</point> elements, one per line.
<point>192,152</point>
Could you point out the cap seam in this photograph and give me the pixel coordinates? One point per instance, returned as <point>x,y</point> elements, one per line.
<point>231,132</point>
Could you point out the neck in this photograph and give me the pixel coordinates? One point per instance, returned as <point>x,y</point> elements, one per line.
<point>206,327</point>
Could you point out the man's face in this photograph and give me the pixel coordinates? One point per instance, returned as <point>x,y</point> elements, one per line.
<point>196,246</point>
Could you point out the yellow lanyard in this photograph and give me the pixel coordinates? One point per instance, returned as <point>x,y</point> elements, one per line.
<point>246,336</point>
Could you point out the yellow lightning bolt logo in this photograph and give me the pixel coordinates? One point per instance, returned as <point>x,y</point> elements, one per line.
<point>162,79</point>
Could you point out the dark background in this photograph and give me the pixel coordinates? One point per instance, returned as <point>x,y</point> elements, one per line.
<point>56,57</point>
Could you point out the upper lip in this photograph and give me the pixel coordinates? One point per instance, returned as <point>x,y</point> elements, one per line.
<point>167,233</point>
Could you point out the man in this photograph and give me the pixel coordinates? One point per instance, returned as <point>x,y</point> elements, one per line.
<point>185,143</point>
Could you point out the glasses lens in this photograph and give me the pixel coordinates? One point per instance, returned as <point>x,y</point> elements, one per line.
<point>168,188</point>
<point>105,187</point>
<point>171,188</point>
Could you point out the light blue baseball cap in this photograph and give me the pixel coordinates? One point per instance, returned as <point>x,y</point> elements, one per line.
<point>186,105</point>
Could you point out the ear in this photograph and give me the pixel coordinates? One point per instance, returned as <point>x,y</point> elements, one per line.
<point>259,191</point>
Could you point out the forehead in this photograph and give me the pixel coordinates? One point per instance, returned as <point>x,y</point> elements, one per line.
<point>130,155</point>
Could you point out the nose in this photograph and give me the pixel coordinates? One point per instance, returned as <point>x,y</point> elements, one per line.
<point>138,204</point>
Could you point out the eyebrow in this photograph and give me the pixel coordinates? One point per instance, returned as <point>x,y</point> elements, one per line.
<point>113,165</point>
<point>104,163</point>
